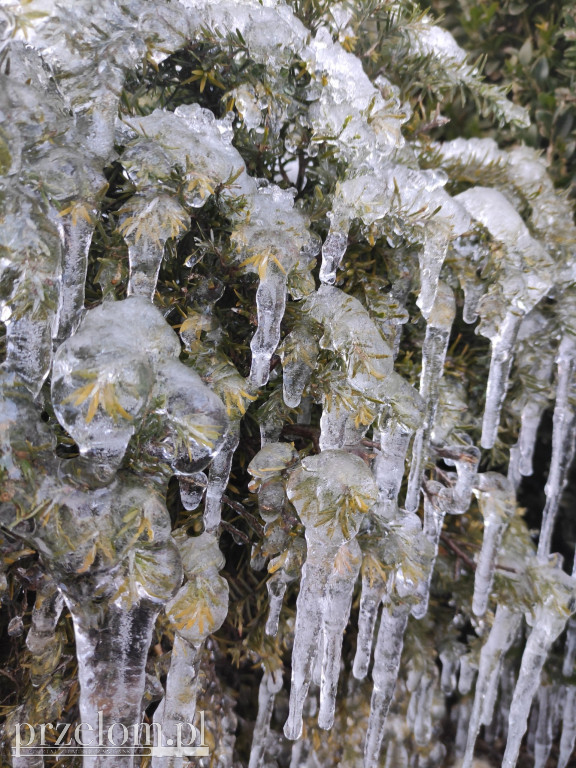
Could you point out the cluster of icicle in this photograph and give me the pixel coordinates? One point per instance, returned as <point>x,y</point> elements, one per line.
<point>103,532</point>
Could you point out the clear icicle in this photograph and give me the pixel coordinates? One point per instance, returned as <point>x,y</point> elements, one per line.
<point>279,580</point>
<point>307,630</point>
<point>218,476</point>
<point>270,304</point>
<point>500,639</point>
<point>434,512</point>
<point>563,437</point>
<point>421,706</point>
<point>298,353</point>
<point>390,462</point>
<point>500,364</point>
<point>568,737</point>
<point>336,613</point>
<point>497,501</point>
<point>198,609</point>
<point>111,648</point>
<point>77,239</point>
<point>331,478</point>
<point>373,591</point>
<point>270,684</point>
<point>466,459</point>
<point>387,655</point>
<point>179,705</point>
<point>545,726</point>
<point>438,329</point>
<point>547,626</point>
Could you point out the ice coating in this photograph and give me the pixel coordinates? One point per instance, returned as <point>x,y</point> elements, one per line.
<point>101,392</point>
<point>394,197</point>
<point>525,279</point>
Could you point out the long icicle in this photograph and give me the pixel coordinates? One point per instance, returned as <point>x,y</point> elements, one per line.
<point>563,435</point>
<point>434,351</point>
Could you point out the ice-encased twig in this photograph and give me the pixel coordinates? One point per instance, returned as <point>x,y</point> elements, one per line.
<point>568,736</point>
<point>387,656</point>
<point>434,350</point>
<point>563,439</point>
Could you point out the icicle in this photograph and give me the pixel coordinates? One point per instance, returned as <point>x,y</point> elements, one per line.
<point>373,592</point>
<point>77,239</point>
<point>500,364</point>
<point>568,737</point>
<point>497,501</point>
<point>545,727</point>
<point>548,621</point>
<point>434,512</point>
<point>192,490</point>
<point>218,476</point>
<point>389,463</point>
<point>270,304</point>
<point>563,437</point>
<point>283,570</point>
<point>387,655</point>
<point>450,657</point>
<point>438,329</point>
<point>464,712</point>
<point>420,709</point>
<point>323,481</point>
<point>336,612</point>
<point>500,639</point>
<point>150,223</point>
<point>270,684</point>
<point>198,609</point>
<point>431,258</point>
<point>525,276</point>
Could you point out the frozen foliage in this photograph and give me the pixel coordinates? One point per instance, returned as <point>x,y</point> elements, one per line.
<point>233,305</point>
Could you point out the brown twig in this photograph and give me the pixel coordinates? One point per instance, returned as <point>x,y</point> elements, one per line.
<point>252,521</point>
<point>457,551</point>
<point>235,532</point>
